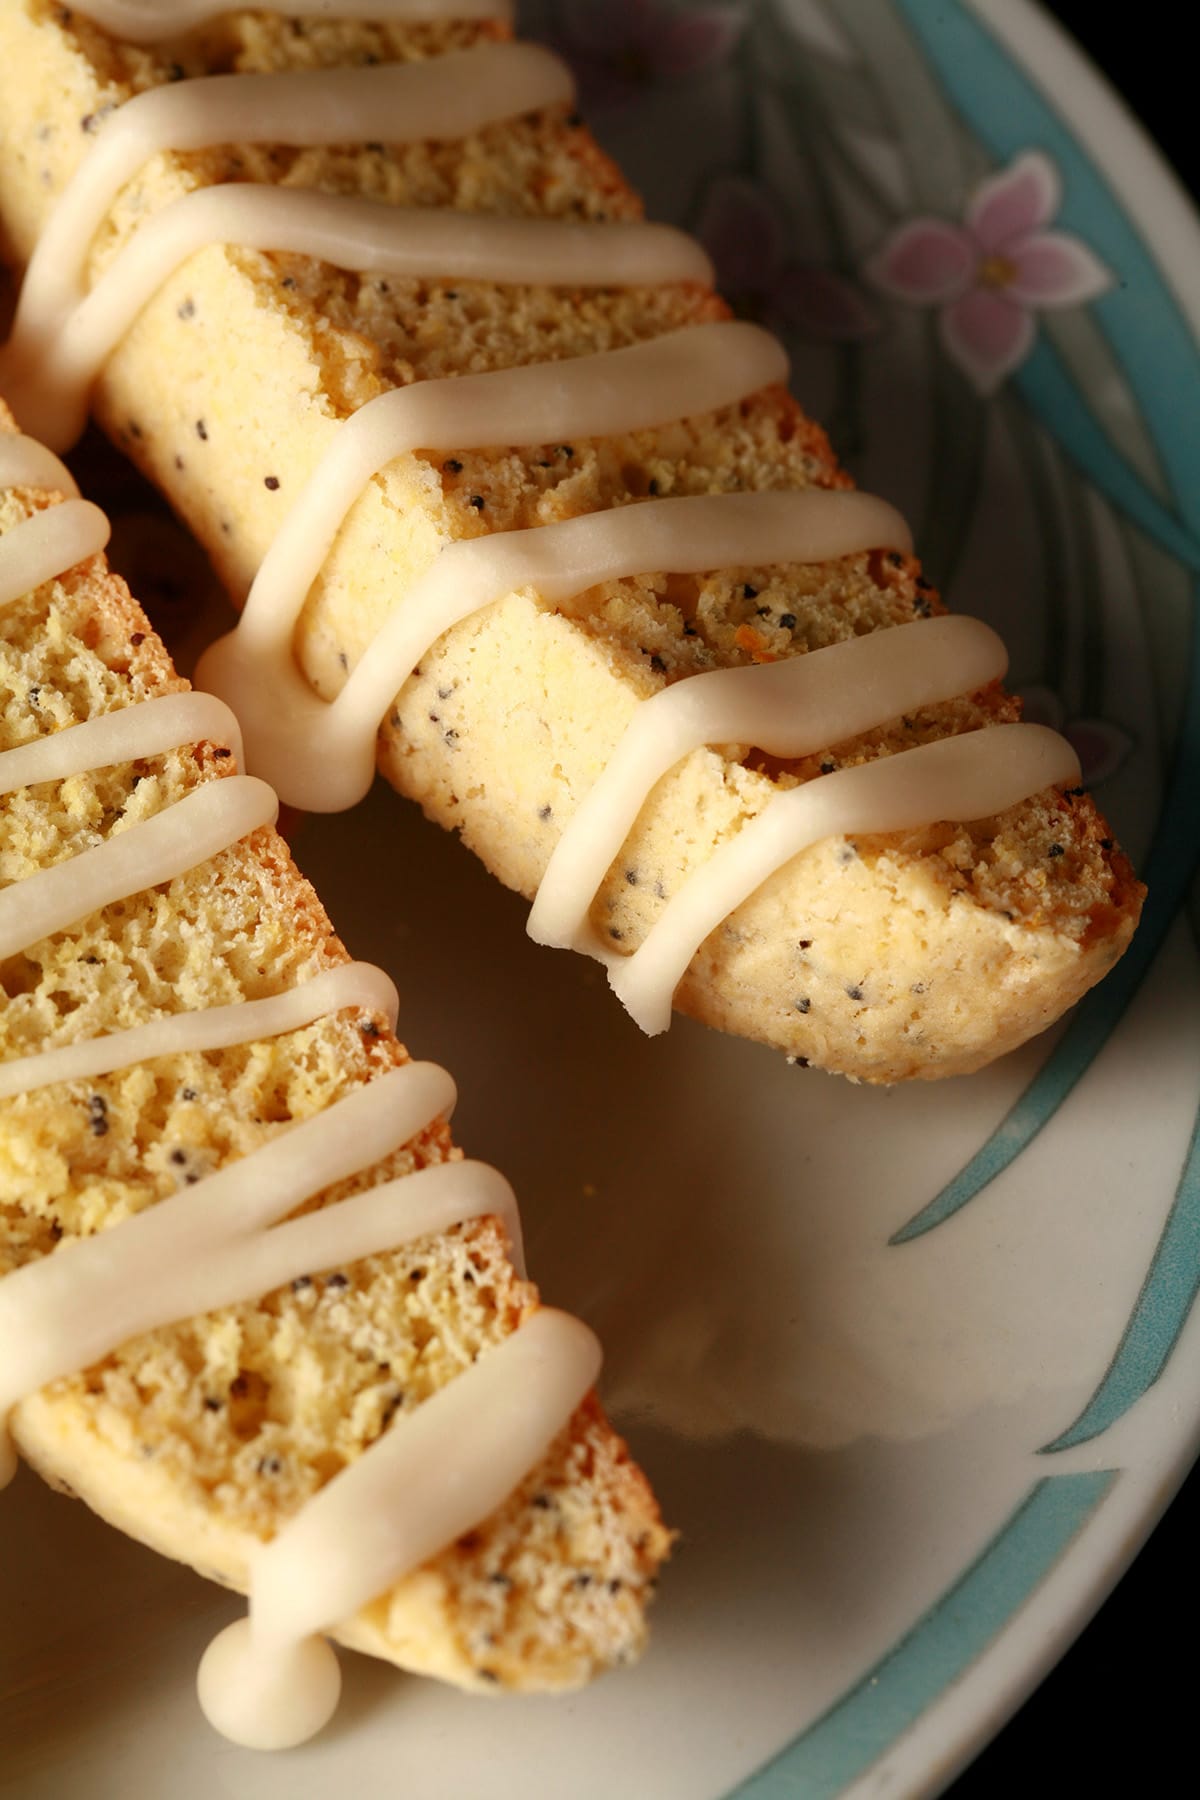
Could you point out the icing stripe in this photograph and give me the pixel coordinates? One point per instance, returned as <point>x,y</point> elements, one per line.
<point>550,1363</point>
<point>969,777</point>
<point>788,709</point>
<point>366,236</point>
<point>350,985</point>
<point>126,735</point>
<point>215,1244</point>
<point>24,462</point>
<point>193,830</point>
<point>154,21</point>
<point>679,375</point>
<point>47,545</point>
<point>208,1245</point>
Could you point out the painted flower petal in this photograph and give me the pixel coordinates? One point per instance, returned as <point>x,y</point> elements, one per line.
<point>821,305</point>
<point>987,335</point>
<point>926,262</point>
<point>1101,747</point>
<point>700,40</point>
<point>1015,202</point>
<point>1055,269</point>
<point>742,233</point>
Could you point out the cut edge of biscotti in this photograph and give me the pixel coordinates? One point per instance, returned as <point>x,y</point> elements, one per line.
<point>917,955</point>
<point>184,1438</point>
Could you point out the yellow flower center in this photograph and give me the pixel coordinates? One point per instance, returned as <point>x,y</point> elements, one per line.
<point>997,272</point>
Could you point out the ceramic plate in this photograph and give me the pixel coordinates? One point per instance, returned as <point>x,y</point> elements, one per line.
<point>914,1372</point>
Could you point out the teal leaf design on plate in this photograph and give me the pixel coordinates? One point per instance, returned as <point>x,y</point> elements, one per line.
<point>1162,1310</point>
<point>1094,368</point>
<point>859,1727</point>
<point>1049,391</point>
<point>1169,868</point>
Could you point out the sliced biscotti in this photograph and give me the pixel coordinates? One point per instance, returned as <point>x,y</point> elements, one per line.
<point>204,1438</point>
<point>915,954</point>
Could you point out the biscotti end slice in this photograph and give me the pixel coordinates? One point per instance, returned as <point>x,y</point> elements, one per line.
<point>204,1438</point>
<point>908,955</point>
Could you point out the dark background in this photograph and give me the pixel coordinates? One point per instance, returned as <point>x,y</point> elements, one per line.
<point>1117,1714</point>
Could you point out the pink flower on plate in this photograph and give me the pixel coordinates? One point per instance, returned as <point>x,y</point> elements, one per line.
<point>992,274</point>
<point>619,47</point>
<point>746,238</point>
<point>1101,746</point>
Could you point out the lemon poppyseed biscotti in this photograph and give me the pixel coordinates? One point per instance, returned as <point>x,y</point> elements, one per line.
<point>506,482</point>
<point>189,1056</point>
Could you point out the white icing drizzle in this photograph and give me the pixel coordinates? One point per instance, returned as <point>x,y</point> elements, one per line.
<point>45,546</point>
<point>219,1243</point>
<point>360,986</point>
<point>153,727</point>
<point>367,236</point>
<point>24,462</point>
<point>228,1238</point>
<point>442,99</point>
<point>160,849</point>
<point>154,21</point>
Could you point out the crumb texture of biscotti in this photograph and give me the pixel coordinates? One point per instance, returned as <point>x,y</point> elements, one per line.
<point>203,1438</point>
<point>912,955</point>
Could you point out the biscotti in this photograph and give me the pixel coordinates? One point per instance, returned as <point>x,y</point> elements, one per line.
<point>210,1437</point>
<point>917,949</point>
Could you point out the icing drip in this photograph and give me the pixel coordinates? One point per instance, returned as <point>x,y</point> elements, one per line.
<point>467,1447</point>
<point>445,98</point>
<point>228,1238</point>
<point>154,21</point>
